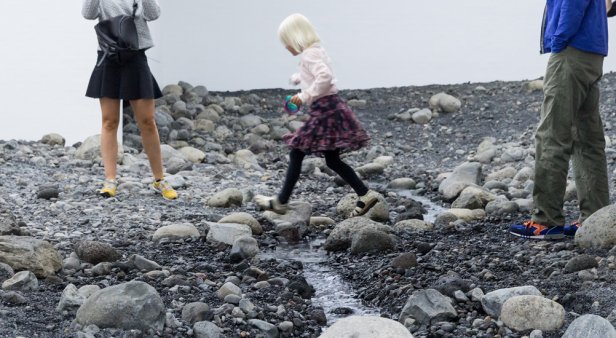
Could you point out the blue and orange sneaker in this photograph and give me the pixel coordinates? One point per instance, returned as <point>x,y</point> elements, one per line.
<point>571,229</point>
<point>534,230</point>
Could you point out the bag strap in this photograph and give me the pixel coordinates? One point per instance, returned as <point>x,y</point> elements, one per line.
<point>134,8</point>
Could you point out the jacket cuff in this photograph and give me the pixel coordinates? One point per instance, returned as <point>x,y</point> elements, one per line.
<point>558,45</point>
<point>304,97</point>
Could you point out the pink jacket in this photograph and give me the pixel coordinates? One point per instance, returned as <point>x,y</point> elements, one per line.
<point>315,75</point>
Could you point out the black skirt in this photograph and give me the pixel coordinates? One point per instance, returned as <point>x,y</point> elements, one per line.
<point>130,79</point>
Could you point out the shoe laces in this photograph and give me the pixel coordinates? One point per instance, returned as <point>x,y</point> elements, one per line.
<point>532,224</point>
<point>110,184</point>
<point>164,185</point>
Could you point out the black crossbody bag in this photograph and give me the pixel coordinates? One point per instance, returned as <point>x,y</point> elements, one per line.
<point>117,37</point>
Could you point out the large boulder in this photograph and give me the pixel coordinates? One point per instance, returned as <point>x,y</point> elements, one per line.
<point>445,103</point>
<point>342,235</point>
<point>428,306</point>
<point>227,232</point>
<point>244,218</point>
<point>590,326</point>
<point>599,230</point>
<point>532,312</point>
<point>90,149</point>
<point>366,327</point>
<point>27,253</point>
<point>465,175</point>
<point>378,213</point>
<point>492,302</point>
<point>96,252</point>
<point>129,306</point>
<point>176,232</point>
<point>226,198</point>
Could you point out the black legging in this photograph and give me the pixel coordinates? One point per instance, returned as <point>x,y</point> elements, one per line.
<point>333,161</point>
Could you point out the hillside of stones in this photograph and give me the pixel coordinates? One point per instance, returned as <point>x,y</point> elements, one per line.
<point>194,267</point>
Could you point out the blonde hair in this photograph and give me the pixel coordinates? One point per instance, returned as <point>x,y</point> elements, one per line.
<point>297,32</point>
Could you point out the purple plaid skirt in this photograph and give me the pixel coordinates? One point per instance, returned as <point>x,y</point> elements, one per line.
<point>332,126</point>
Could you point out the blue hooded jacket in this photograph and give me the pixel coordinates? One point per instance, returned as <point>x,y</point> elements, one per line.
<point>581,24</point>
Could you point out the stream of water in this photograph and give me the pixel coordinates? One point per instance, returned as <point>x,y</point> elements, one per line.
<point>333,294</point>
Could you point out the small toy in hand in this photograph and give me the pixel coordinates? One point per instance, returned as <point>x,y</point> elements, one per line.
<point>289,106</point>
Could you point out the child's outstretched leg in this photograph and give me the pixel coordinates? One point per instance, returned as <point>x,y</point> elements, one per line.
<point>366,198</point>
<point>279,204</point>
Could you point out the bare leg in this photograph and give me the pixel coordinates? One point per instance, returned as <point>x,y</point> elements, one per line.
<point>110,109</point>
<point>144,114</point>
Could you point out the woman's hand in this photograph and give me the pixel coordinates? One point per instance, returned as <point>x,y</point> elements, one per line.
<point>296,100</point>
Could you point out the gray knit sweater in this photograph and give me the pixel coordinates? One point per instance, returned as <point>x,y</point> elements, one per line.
<point>147,10</point>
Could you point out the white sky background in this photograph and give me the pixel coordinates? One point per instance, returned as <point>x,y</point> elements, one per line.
<point>49,50</point>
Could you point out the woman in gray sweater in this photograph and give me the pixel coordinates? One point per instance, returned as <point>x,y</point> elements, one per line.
<point>129,79</point>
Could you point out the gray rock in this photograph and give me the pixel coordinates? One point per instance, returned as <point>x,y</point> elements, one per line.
<point>299,285</point>
<point>341,236</point>
<point>228,289</point>
<point>176,232</point>
<point>366,327</point>
<point>473,197</point>
<point>428,306</point>
<point>193,154</point>
<point>370,169</point>
<point>90,149</point>
<point>532,312</point>
<point>196,312</point>
<point>501,206</point>
<point>143,264</point>
<point>467,174</point>
<point>21,281</point>
<point>27,253</point>
<point>162,117</point>
<point>267,329</point>
<point>250,121</point>
<point>599,230</point>
<point>244,218</point>
<point>70,299</point>
<point>371,240</point>
<point>502,174</point>
<point>378,213</point>
<point>53,139</point>
<point>48,191</point>
<point>581,262</point>
<point>445,103</point>
<point>422,117</point>
<point>6,272</point>
<point>246,159</point>
<point>226,198</point>
<point>402,183</point>
<point>492,302</point>
<point>354,103</point>
<point>405,260</point>
<point>244,247</point>
<point>413,225</point>
<point>96,252</point>
<point>173,89</point>
<point>514,154</point>
<point>486,151</point>
<point>450,283</point>
<point>227,232</point>
<point>129,306</point>
<point>8,224</point>
<point>206,329</point>
<point>590,326</point>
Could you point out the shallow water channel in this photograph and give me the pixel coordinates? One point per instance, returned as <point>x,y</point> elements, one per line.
<point>333,294</point>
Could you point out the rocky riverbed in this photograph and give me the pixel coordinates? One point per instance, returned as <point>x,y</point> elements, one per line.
<point>453,165</point>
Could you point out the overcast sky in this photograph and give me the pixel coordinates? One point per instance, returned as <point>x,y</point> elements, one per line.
<point>46,60</point>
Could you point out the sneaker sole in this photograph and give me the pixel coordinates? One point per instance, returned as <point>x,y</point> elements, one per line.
<point>544,237</point>
<point>106,194</point>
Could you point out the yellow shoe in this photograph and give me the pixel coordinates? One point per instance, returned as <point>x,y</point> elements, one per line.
<point>109,188</point>
<point>163,187</point>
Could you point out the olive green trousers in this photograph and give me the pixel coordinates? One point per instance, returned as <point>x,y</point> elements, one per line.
<point>570,128</point>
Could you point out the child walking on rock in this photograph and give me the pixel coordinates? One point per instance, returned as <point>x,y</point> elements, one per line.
<point>332,127</point>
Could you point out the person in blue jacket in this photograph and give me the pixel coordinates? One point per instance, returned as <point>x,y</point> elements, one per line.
<point>575,33</point>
